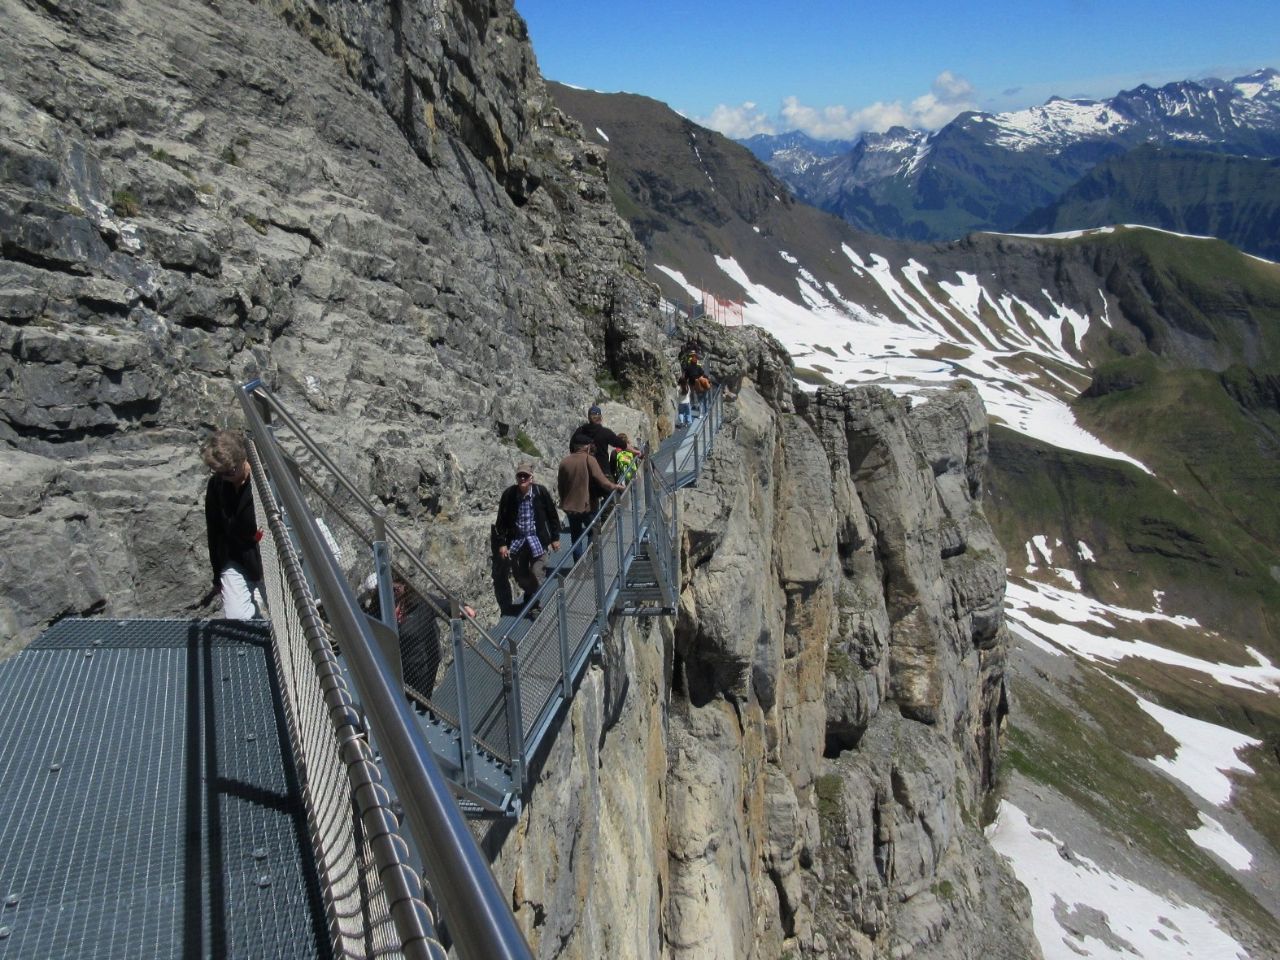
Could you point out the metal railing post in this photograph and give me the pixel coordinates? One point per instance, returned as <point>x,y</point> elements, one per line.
<point>382,568</point>
<point>515,714</point>
<point>602,614</point>
<point>620,527</point>
<point>466,741</point>
<point>562,627</point>
<point>675,541</point>
<point>637,481</point>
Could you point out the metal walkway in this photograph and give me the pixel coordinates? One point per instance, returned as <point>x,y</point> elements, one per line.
<point>149,803</point>
<point>486,699</point>
<point>214,788</point>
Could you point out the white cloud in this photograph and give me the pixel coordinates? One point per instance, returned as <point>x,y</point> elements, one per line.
<point>740,122</point>
<point>949,96</point>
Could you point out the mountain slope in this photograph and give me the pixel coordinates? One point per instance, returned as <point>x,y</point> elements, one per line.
<point>1132,375</point>
<point>1208,194</point>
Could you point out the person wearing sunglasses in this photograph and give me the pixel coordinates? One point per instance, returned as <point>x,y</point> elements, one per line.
<point>528,528</point>
<point>232,527</point>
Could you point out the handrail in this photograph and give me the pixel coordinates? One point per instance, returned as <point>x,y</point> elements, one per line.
<point>478,914</point>
<point>300,433</point>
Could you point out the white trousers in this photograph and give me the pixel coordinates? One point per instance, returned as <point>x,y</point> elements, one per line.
<point>241,598</point>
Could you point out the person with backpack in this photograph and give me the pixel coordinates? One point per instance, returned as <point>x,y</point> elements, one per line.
<point>622,462</point>
<point>699,382</point>
<point>528,527</point>
<point>691,349</point>
<point>602,438</point>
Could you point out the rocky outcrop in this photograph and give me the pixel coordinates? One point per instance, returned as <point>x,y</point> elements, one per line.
<point>223,191</point>
<point>803,760</point>
<point>376,209</point>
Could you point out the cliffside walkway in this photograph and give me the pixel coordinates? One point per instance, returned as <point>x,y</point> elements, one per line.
<point>209,788</point>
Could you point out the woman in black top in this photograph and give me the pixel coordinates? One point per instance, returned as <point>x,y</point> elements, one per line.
<point>232,527</point>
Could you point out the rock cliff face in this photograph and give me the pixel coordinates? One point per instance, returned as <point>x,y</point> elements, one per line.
<point>193,194</point>
<point>800,764</point>
<point>376,209</point>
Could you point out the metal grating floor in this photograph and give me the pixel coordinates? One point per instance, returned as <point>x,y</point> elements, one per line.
<point>148,802</point>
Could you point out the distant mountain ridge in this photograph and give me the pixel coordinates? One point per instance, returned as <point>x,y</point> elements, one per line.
<point>1134,379</point>
<point>794,152</point>
<point>988,171</point>
<point>1190,191</point>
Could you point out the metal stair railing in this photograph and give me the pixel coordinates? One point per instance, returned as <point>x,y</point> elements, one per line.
<point>498,692</point>
<point>573,607</point>
<point>364,863</point>
<point>680,463</point>
<point>439,674</point>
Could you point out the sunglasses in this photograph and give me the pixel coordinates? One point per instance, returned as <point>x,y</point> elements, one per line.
<point>524,476</point>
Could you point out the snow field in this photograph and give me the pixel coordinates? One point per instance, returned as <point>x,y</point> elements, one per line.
<point>1071,897</point>
<point>894,352</point>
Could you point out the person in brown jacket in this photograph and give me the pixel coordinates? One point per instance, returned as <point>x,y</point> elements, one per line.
<point>581,483</point>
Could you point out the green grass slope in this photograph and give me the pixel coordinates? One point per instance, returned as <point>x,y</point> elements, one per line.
<point>1236,199</point>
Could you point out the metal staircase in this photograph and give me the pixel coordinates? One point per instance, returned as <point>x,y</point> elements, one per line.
<point>485,699</point>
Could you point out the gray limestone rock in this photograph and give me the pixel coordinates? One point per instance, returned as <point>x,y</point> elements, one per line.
<point>429,282</point>
<point>377,210</point>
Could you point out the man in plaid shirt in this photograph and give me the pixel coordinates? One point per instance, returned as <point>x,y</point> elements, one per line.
<point>528,527</point>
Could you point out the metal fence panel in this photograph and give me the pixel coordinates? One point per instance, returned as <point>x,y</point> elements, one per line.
<point>341,783</point>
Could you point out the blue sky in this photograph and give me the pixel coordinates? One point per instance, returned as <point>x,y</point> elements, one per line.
<point>835,69</point>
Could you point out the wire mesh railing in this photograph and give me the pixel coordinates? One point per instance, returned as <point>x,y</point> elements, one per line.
<point>493,694</point>
<point>374,898</point>
<point>347,805</point>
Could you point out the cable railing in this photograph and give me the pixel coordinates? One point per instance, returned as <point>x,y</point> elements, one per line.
<point>374,899</point>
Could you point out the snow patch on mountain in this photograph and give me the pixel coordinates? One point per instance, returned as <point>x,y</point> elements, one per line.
<point>1061,621</point>
<point>1081,909</point>
<point>1205,754</point>
<point>917,159</point>
<point>1213,836</point>
<point>1056,123</point>
<point>1065,235</point>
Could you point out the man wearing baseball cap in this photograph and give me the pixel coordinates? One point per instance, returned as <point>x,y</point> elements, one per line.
<point>528,527</point>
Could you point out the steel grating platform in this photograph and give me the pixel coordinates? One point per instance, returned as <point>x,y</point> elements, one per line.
<point>149,806</point>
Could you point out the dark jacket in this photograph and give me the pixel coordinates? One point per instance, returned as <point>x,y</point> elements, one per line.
<point>233,529</point>
<point>545,516</point>
<point>603,438</point>
<point>419,626</point>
